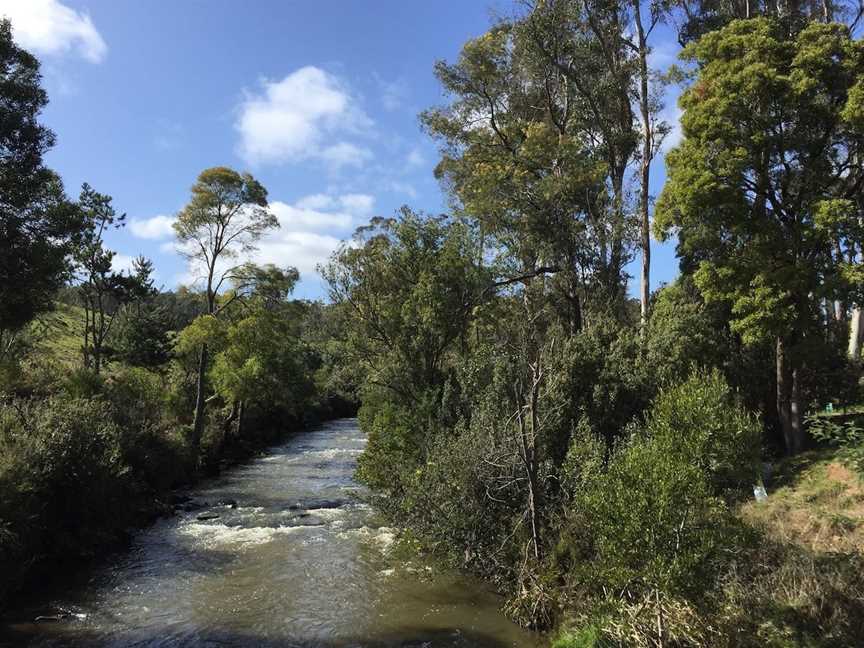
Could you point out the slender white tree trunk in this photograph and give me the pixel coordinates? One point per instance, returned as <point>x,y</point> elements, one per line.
<point>855,332</point>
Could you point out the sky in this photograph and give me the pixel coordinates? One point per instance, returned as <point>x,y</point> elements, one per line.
<point>318,100</point>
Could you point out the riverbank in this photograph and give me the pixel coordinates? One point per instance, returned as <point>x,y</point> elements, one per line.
<point>84,479</point>
<point>300,560</point>
<point>798,580</point>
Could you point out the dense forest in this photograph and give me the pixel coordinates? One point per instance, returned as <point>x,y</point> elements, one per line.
<point>591,454</point>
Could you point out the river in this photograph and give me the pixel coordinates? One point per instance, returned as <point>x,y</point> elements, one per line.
<point>300,561</point>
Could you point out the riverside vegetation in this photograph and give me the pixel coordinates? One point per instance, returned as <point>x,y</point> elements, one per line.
<point>591,455</point>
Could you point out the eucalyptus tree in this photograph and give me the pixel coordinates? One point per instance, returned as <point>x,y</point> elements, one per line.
<point>540,136</point>
<point>602,49</point>
<point>407,288</point>
<point>763,182</point>
<point>226,215</point>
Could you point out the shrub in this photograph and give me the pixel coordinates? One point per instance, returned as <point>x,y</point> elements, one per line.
<point>848,435</point>
<point>648,533</point>
<point>654,522</point>
<point>589,636</point>
<point>82,383</point>
<point>63,481</point>
<point>701,420</point>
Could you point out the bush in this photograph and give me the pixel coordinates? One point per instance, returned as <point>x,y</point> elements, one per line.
<point>654,523</point>
<point>154,446</point>
<point>63,480</point>
<point>701,421</point>
<point>848,435</point>
<point>648,533</point>
<point>82,383</point>
<point>589,636</point>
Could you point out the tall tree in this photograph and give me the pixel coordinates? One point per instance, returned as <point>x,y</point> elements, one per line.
<point>770,144</point>
<point>37,222</point>
<point>102,290</point>
<point>535,146</point>
<point>226,215</point>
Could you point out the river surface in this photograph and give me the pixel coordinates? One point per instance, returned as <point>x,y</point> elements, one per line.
<point>300,561</point>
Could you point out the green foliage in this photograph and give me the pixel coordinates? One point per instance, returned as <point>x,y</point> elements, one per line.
<point>37,222</point>
<point>684,331</point>
<point>82,383</point>
<point>62,475</point>
<point>143,338</point>
<point>586,637</point>
<point>722,197</point>
<point>654,520</point>
<point>845,434</point>
<point>701,420</point>
<point>263,361</point>
<point>394,448</point>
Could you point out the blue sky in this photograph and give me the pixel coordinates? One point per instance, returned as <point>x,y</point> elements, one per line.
<point>319,100</point>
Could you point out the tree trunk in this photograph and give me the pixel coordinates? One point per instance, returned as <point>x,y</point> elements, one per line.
<point>855,333</point>
<point>198,419</point>
<point>241,411</point>
<point>789,410</point>
<point>645,170</point>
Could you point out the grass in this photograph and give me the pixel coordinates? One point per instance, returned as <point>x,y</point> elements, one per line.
<point>817,503</point>
<point>59,334</point>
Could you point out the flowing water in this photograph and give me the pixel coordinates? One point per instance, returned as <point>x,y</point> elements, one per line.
<point>299,562</point>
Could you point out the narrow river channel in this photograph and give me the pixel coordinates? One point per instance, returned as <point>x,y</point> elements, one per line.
<point>299,562</point>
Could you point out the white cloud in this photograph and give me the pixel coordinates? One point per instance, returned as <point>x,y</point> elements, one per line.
<point>393,93</point>
<point>304,116</point>
<point>309,231</point>
<point>357,204</point>
<point>415,158</point>
<point>157,227</point>
<point>303,250</point>
<point>292,218</point>
<point>49,27</point>
<point>122,263</point>
<point>397,186</point>
<point>345,154</point>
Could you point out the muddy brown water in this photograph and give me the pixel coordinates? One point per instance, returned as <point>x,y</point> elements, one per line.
<point>300,561</point>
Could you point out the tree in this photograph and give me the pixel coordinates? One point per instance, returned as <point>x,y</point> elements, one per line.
<point>770,144</point>
<point>408,290</point>
<point>262,359</point>
<point>143,338</point>
<point>103,291</point>
<point>535,146</point>
<point>37,222</point>
<point>226,215</point>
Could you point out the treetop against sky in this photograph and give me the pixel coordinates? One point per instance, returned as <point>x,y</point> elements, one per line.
<point>318,100</point>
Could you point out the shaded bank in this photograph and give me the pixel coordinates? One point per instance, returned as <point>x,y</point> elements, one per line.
<point>86,513</point>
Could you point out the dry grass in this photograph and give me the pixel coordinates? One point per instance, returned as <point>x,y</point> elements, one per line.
<point>819,505</point>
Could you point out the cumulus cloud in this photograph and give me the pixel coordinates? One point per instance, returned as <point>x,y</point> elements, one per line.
<point>49,27</point>
<point>307,115</point>
<point>122,263</point>
<point>157,227</point>
<point>310,229</point>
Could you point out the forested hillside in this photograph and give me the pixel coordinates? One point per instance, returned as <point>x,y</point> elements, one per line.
<point>586,452</point>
